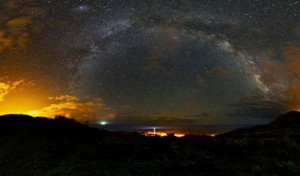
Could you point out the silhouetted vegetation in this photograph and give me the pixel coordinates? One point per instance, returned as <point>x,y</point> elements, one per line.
<point>60,146</point>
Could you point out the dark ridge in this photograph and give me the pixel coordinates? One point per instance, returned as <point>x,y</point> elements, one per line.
<point>288,120</point>
<point>42,125</point>
<point>287,124</point>
<point>59,147</point>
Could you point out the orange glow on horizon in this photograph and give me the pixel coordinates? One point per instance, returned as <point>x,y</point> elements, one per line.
<point>20,108</point>
<point>23,97</point>
<point>20,105</point>
<point>20,96</point>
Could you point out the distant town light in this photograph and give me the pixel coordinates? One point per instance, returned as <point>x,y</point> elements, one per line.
<point>212,135</point>
<point>103,123</point>
<point>161,134</point>
<point>179,135</point>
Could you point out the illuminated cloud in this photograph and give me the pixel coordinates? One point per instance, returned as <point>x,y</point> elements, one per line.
<point>282,79</point>
<point>18,23</point>
<point>64,97</point>
<point>80,109</point>
<point>4,42</point>
<point>292,56</point>
<point>200,80</point>
<point>278,84</point>
<point>8,87</point>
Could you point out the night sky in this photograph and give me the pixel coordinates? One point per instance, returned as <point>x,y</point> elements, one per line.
<point>150,62</point>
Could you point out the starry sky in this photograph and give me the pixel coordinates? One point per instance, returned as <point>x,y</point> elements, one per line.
<point>150,62</point>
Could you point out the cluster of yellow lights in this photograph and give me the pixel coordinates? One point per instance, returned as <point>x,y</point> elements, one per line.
<point>212,135</point>
<point>161,134</point>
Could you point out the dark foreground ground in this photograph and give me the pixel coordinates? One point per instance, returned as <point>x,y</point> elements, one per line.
<point>44,147</point>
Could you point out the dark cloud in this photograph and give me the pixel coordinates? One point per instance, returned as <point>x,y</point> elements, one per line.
<point>258,106</point>
<point>203,114</point>
<point>156,120</point>
<point>19,20</point>
<point>200,80</point>
<point>222,71</point>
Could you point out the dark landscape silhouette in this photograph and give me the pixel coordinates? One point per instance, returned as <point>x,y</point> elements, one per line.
<point>61,146</point>
<point>149,88</point>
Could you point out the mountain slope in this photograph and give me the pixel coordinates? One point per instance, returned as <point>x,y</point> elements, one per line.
<point>59,147</point>
<point>287,124</point>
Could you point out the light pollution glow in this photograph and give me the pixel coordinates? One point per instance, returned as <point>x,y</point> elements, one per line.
<point>20,97</point>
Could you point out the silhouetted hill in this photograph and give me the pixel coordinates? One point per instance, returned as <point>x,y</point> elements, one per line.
<point>63,147</point>
<point>288,120</point>
<point>287,124</point>
<point>40,126</point>
<point>31,146</point>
